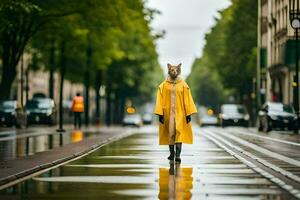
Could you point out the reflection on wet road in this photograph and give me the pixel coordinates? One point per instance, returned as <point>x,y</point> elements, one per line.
<point>14,144</point>
<point>137,168</point>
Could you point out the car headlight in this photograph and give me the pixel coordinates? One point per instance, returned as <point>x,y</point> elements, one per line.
<point>49,112</point>
<point>274,117</point>
<point>295,117</point>
<point>247,117</point>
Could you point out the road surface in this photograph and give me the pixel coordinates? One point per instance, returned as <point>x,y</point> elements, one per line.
<point>231,163</point>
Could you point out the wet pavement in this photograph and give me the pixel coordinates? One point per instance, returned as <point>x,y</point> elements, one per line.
<point>20,143</point>
<point>279,149</point>
<point>137,168</point>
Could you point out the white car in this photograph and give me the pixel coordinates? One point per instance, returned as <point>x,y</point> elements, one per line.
<point>132,120</point>
<point>147,118</point>
<point>209,120</point>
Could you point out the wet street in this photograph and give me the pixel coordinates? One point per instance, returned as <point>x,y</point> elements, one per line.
<point>19,143</point>
<point>137,168</point>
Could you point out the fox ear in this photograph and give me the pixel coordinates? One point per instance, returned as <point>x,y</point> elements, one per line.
<point>179,68</point>
<point>169,66</point>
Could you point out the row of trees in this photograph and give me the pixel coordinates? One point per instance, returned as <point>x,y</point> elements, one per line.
<point>95,42</point>
<point>228,63</point>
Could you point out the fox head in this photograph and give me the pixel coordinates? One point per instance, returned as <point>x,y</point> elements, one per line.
<point>174,70</point>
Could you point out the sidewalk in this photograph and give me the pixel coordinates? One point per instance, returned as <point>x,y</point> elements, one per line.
<point>11,170</point>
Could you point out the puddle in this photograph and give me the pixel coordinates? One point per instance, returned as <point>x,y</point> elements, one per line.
<point>14,147</point>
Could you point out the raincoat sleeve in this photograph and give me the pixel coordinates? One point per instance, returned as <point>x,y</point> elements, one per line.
<point>159,107</point>
<point>189,104</point>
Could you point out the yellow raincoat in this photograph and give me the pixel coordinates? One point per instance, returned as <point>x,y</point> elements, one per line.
<point>184,107</point>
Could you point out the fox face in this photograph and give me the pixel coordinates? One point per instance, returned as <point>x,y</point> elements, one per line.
<point>174,70</point>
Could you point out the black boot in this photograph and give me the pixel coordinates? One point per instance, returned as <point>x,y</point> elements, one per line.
<point>178,151</point>
<point>172,152</point>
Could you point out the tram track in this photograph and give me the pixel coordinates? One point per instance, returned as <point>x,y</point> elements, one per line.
<point>247,153</point>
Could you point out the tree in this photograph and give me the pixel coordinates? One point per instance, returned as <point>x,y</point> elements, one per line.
<point>229,52</point>
<point>20,20</point>
<point>17,25</point>
<point>240,44</point>
<point>110,44</point>
<point>128,77</point>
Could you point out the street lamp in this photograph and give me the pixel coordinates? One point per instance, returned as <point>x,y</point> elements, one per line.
<point>294,11</point>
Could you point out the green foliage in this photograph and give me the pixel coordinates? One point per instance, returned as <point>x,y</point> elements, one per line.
<point>108,36</point>
<point>206,85</point>
<point>118,35</point>
<point>240,43</point>
<point>228,63</point>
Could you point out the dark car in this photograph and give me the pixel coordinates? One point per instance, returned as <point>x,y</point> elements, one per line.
<point>233,115</point>
<point>11,114</point>
<point>276,115</point>
<point>8,113</point>
<point>41,111</point>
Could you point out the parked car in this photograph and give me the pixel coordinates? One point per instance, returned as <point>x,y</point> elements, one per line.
<point>147,118</point>
<point>208,120</point>
<point>11,114</point>
<point>41,111</point>
<point>276,115</point>
<point>233,115</point>
<point>132,120</point>
<point>206,117</point>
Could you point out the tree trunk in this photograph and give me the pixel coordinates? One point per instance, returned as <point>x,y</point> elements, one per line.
<point>108,105</point>
<point>51,72</point>
<point>13,44</point>
<point>87,98</point>
<point>122,108</point>
<point>87,84</point>
<point>8,76</point>
<point>27,85</point>
<point>10,59</point>
<point>116,109</point>
<point>98,83</point>
<point>62,76</point>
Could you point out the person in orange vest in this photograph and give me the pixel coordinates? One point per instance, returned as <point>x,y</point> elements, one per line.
<point>77,109</point>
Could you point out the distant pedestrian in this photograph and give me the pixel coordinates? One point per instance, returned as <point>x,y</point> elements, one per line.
<point>77,109</point>
<point>174,106</point>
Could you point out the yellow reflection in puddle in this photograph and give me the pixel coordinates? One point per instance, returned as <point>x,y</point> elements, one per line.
<point>175,182</point>
<point>77,136</point>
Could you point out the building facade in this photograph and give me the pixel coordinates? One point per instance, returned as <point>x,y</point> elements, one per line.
<point>276,45</point>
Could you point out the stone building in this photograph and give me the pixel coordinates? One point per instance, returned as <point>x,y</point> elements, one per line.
<point>276,44</point>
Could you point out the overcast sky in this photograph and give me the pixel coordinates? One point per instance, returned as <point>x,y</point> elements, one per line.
<point>185,23</point>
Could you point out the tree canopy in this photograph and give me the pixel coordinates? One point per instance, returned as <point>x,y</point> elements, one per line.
<point>228,64</point>
<point>97,43</point>
<point>112,37</point>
